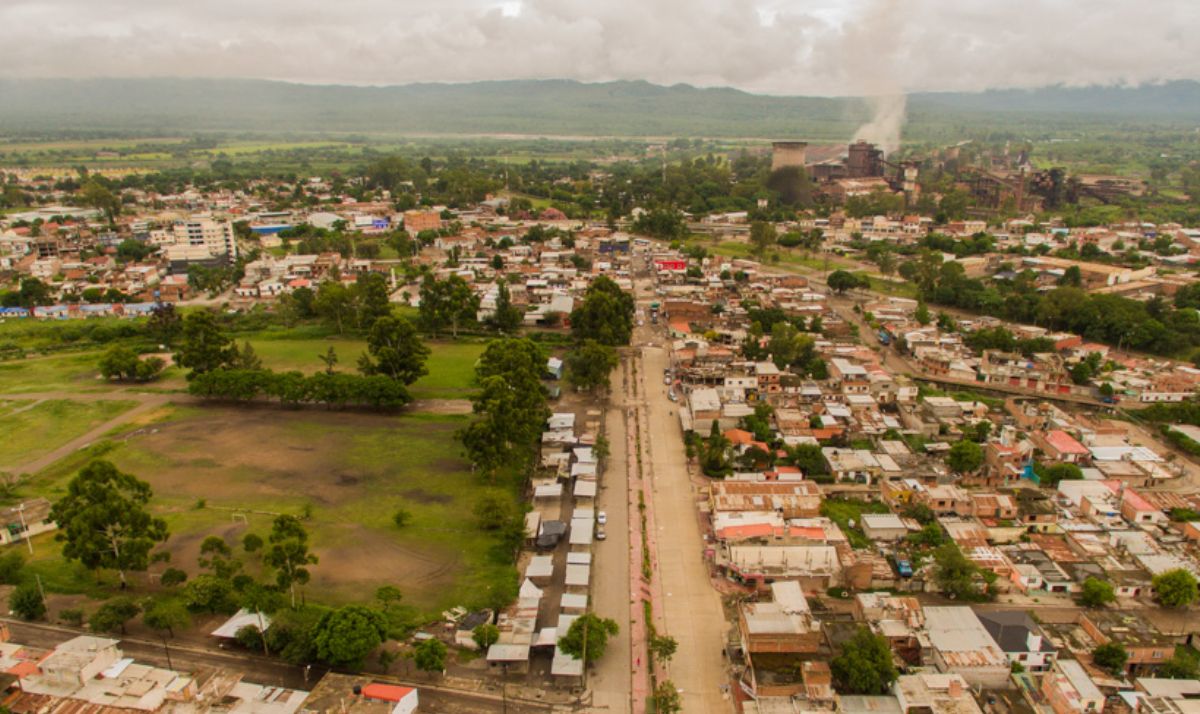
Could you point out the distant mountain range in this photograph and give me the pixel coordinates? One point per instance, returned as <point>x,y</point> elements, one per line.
<point>557,107</point>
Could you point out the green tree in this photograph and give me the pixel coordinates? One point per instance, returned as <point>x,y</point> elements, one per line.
<point>430,655</point>
<point>1112,657</point>
<point>288,554</point>
<point>663,647</point>
<point>809,458</point>
<point>112,616</point>
<point>865,665</point>
<point>168,615</point>
<point>922,314</point>
<point>96,193</point>
<point>1096,593</point>
<point>165,324</point>
<point>329,359</point>
<point>506,318</point>
<point>666,698</point>
<point>965,456</point>
<point>252,542</point>
<point>510,406</point>
<point>245,358</point>
<point>334,303</point>
<point>104,522</point>
<point>208,593</point>
<point>133,249</point>
<point>714,456</point>
<point>485,635</point>
<point>122,363</point>
<point>26,601</point>
<point>590,364</point>
<point>840,281</point>
<point>957,576</point>
<point>217,557</point>
<point>930,536</point>
<point>1184,664</point>
<point>587,637</point>
<point>172,577</point>
<point>371,299</point>
<point>493,511</point>
<point>1051,475</point>
<point>12,564</point>
<point>344,637</point>
<point>788,346</point>
<point>449,302</point>
<point>388,596</point>
<point>204,347</point>
<point>762,237</point>
<point>394,350</point>
<point>605,314</point>
<point>1175,588</point>
<point>33,292</point>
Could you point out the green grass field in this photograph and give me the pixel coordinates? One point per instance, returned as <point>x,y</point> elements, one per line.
<point>76,372</point>
<point>353,471</point>
<point>32,429</point>
<point>451,365</point>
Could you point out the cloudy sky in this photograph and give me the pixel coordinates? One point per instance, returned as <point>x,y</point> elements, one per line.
<point>774,46</point>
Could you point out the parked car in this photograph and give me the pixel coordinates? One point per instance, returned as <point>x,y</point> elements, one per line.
<point>602,518</point>
<point>600,534</point>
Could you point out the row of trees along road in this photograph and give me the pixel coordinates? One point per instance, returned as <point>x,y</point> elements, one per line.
<point>395,358</point>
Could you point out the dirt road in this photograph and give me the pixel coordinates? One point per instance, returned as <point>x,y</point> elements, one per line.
<point>146,402</point>
<point>610,684</point>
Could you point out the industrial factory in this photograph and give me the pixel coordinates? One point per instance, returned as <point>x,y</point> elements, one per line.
<point>861,171</point>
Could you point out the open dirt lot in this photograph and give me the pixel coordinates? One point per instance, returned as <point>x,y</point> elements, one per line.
<point>352,471</point>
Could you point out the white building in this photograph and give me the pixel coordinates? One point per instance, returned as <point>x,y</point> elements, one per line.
<point>216,237</point>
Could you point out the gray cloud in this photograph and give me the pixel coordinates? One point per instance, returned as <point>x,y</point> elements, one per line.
<point>881,47</point>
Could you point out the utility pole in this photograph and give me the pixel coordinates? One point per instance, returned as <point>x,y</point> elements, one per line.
<point>25,529</point>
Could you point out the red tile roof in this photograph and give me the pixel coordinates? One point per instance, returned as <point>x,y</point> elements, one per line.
<point>1064,443</point>
<point>386,692</point>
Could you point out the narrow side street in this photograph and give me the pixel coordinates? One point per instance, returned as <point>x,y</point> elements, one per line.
<point>610,686</point>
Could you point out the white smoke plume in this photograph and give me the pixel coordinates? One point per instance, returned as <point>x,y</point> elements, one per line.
<point>886,122</point>
<point>871,53</point>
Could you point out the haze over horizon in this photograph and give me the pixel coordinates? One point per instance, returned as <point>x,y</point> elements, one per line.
<point>802,47</point>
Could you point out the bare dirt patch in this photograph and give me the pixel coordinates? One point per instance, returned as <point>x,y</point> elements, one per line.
<point>351,472</point>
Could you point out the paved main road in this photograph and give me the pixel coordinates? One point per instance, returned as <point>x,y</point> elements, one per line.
<point>691,607</point>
